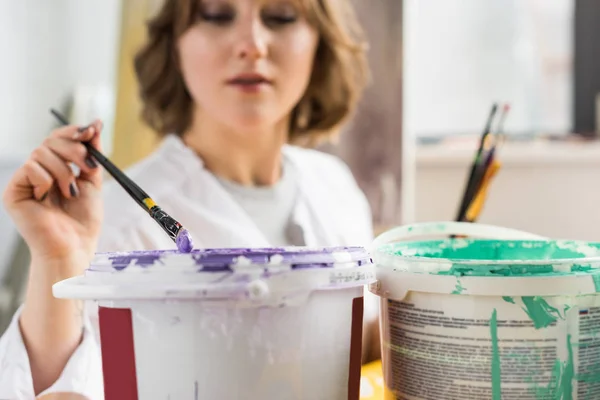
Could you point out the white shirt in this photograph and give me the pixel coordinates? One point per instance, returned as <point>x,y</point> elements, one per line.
<point>271,207</point>
<point>330,209</point>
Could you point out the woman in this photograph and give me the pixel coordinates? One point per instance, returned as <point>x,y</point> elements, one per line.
<point>229,83</point>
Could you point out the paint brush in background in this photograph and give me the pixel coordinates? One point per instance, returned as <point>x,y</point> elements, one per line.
<point>174,229</point>
<point>487,169</point>
<point>498,134</point>
<point>470,188</point>
<point>476,206</point>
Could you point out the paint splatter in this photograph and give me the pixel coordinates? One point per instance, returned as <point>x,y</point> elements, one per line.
<point>541,313</point>
<point>459,288</point>
<point>560,386</point>
<point>496,376</point>
<point>508,299</point>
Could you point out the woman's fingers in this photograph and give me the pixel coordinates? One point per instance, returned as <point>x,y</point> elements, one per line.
<point>77,151</point>
<point>30,181</point>
<point>59,170</point>
<point>70,150</point>
<point>93,175</point>
<point>49,165</point>
<point>38,178</point>
<point>73,132</point>
<point>92,133</point>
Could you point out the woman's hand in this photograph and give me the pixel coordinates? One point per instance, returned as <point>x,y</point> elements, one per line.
<point>57,213</point>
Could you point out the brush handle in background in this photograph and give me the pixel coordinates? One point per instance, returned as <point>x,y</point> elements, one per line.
<point>469,185</point>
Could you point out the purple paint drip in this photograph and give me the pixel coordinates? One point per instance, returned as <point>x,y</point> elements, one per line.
<point>184,241</point>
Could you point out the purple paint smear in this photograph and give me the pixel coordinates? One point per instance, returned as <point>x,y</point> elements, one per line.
<point>224,259</point>
<point>184,241</point>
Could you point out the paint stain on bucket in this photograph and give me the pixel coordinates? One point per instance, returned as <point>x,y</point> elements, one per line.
<point>528,347</point>
<point>459,288</point>
<point>541,313</point>
<point>496,377</point>
<point>596,278</point>
<point>561,383</point>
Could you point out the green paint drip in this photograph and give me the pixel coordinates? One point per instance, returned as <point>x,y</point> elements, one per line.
<point>560,386</point>
<point>596,278</point>
<point>459,288</point>
<point>566,382</point>
<point>541,313</point>
<point>496,376</point>
<point>508,299</point>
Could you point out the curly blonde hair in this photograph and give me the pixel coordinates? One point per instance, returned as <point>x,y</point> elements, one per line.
<point>340,72</point>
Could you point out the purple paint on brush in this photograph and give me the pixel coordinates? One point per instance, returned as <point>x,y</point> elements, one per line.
<point>184,241</point>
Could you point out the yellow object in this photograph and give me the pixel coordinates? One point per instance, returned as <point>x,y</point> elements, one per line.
<point>149,202</point>
<point>476,205</point>
<point>132,140</point>
<point>371,382</point>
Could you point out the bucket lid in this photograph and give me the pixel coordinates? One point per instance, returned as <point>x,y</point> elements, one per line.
<point>512,265</point>
<point>253,275</point>
<point>484,257</point>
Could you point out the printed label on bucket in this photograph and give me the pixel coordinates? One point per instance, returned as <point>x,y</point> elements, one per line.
<point>438,347</point>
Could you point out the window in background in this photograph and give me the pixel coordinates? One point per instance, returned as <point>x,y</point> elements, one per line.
<point>462,55</point>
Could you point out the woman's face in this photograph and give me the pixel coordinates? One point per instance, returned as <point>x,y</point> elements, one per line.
<point>247,63</point>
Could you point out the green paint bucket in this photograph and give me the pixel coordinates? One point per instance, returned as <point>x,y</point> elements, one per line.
<point>501,314</point>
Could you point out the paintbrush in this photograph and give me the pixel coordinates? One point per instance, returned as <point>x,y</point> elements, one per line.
<point>487,158</point>
<point>486,170</point>
<point>498,133</point>
<point>476,206</point>
<point>174,229</point>
<point>470,187</point>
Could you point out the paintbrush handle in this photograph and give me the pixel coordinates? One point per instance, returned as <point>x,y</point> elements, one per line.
<point>476,205</point>
<point>169,224</point>
<point>130,187</point>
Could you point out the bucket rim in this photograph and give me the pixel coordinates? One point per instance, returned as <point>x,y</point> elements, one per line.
<point>230,258</point>
<point>584,245</point>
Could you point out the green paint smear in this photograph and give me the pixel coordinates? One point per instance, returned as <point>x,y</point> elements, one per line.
<point>596,278</point>
<point>508,299</point>
<point>561,382</point>
<point>459,288</point>
<point>504,257</point>
<point>496,375</point>
<point>541,313</point>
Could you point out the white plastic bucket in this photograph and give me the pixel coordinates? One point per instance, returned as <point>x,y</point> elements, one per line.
<point>229,323</point>
<point>513,318</point>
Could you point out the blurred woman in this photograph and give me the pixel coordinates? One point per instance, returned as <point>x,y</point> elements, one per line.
<point>233,86</point>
